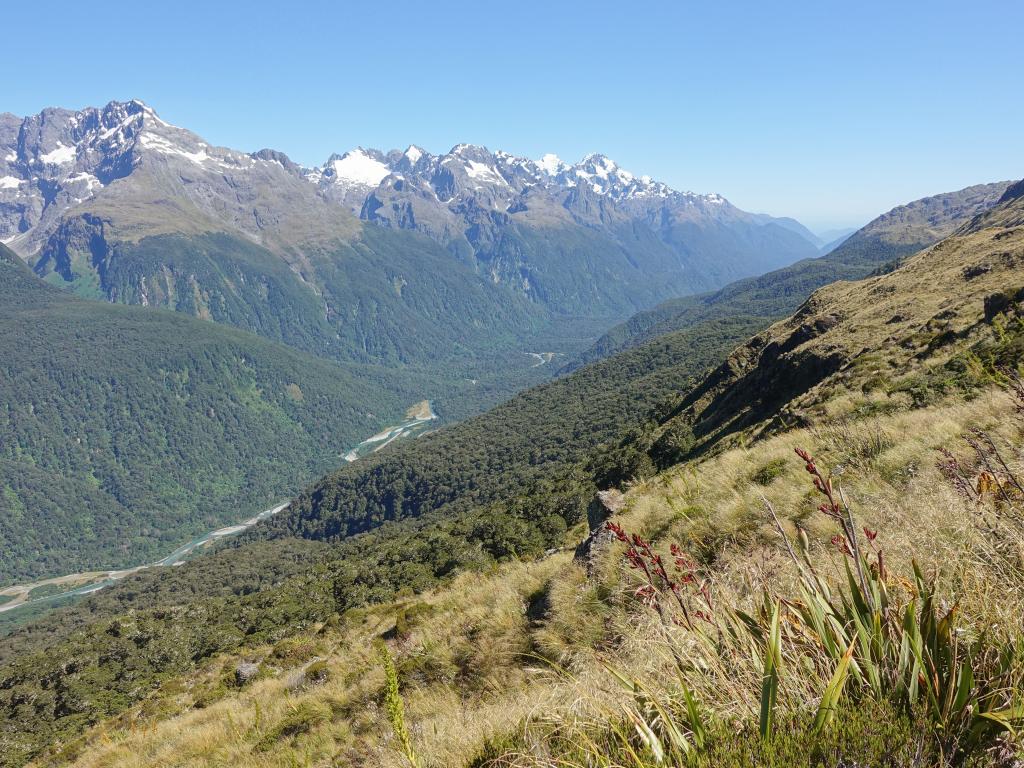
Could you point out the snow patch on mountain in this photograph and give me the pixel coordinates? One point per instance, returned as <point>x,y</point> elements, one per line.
<point>200,156</point>
<point>91,181</point>
<point>358,167</point>
<point>484,173</point>
<point>59,156</point>
<point>166,147</point>
<point>9,182</point>
<point>350,178</point>
<point>598,165</point>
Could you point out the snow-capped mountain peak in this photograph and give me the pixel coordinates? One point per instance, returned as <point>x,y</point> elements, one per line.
<point>413,154</point>
<point>551,164</point>
<point>501,175</point>
<point>60,158</point>
<point>359,167</point>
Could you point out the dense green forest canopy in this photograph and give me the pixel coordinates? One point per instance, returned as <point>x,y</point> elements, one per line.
<point>124,431</point>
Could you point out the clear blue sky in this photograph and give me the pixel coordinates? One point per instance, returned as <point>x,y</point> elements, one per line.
<point>830,112</point>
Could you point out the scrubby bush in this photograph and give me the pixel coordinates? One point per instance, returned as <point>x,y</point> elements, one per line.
<point>300,718</point>
<point>317,673</point>
<point>295,650</point>
<point>767,473</point>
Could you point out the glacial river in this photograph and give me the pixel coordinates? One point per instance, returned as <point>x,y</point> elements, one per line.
<point>419,417</point>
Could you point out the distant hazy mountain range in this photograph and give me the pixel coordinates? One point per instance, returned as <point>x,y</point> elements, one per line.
<point>880,244</point>
<point>396,257</point>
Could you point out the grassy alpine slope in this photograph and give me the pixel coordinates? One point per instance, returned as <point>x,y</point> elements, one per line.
<point>556,662</point>
<point>553,663</point>
<point>156,626</point>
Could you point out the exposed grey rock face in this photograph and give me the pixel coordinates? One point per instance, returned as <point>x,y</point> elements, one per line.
<point>127,164</point>
<point>612,500</point>
<point>604,505</point>
<point>590,551</point>
<point>246,673</point>
<point>58,158</point>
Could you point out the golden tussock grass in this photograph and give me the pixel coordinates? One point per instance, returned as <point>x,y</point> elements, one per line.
<point>532,648</point>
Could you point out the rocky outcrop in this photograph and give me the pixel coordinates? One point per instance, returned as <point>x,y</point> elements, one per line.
<point>605,504</point>
<point>246,672</point>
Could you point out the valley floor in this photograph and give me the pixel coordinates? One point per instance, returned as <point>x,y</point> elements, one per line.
<point>62,589</point>
<point>45,593</point>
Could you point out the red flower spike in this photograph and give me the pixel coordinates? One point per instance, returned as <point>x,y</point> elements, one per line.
<point>839,542</point>
<point>617,530</point>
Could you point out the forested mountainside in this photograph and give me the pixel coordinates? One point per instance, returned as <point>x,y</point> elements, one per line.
<point>937,332</point>
<point>125,431</point>
<point>880,244</point>
<point>520,463</point>
<point>408,258</point>
<point>380,297</point>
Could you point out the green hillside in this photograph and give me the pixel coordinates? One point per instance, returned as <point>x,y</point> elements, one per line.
<point>379,297</point>
<point>520,462</point>
<point>125,431</point>
<point>505,485</point>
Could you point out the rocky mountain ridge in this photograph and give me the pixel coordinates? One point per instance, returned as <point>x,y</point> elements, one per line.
<point>55,161</point>
<point>397,257</point>
<point>470,196</point>
<point>901,338</point>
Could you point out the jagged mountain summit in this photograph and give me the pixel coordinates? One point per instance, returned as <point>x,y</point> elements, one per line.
<point>470,197</point>
<point>467,170</point>
<point>59,159</point>
<point>119,204</point>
